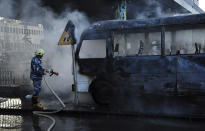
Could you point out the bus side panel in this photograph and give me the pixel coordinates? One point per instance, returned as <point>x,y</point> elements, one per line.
<point>151,84</point>
<point>155,73</point>
<point>191,74</point>
<point>155,84</point>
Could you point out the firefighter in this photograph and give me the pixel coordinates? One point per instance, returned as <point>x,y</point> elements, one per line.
<point>37,72</point>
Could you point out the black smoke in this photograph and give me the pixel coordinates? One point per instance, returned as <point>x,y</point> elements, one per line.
<point>94,9</point>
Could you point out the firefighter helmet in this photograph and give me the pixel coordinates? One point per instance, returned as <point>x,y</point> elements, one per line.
<point>39,52</point>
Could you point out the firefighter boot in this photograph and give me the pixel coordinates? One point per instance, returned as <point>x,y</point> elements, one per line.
<point>35,103</point>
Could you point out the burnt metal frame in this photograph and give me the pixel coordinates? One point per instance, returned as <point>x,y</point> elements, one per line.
<point>108,35</point>
<point>104,29</point>
<point>163,41</point>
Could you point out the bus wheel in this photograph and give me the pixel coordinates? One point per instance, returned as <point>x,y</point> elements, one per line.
<point>101,92</point>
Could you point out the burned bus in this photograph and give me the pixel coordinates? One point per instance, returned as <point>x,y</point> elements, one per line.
<point>150,66</point>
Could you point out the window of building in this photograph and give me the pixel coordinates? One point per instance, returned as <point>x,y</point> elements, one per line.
<point>6,29</point>
<point>25,31</point>
<point>17,30</point>
<point>13,30</point>
<point>2,29</point>
<point>9,29</point>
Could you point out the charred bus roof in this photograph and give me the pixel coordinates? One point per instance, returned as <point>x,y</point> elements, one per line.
<point>103,29</point>
<point>100,29</point>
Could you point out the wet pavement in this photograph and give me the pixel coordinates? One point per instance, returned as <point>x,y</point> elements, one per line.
<point>64,122</point>
<point>16,115</point>
<point>88,118</point>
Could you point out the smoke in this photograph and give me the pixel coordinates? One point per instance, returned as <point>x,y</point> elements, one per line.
<point>151,9</point>
<point>6,8</point>
<point>58,58</point>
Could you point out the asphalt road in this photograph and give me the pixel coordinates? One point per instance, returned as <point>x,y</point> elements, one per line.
<point>24,120</point>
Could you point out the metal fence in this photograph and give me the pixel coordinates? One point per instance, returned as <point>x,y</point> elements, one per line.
<point>10,122</point>
<point>7,78</point>
<point>10,103</point>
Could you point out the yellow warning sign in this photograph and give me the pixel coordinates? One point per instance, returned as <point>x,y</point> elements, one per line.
<point>68,38</point>
<point>65,39</point>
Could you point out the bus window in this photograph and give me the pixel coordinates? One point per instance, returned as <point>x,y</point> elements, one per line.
<point>154,44</point>
<point>190,41</point>
<point>93,49</point>
<point>127,44</point>
<point>132,44</point>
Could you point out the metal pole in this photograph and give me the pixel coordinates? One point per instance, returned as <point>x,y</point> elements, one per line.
<point>163,41</point>
<point>74,75</point>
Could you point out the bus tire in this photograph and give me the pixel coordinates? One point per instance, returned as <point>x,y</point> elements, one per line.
<point>101,92</point>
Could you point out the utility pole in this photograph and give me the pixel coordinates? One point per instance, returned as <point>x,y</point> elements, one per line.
<point>121,12</point>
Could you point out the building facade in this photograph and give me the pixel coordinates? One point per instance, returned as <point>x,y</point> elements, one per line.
<point>192,6</point>
<point>196,2</point>
<point>18,40</point>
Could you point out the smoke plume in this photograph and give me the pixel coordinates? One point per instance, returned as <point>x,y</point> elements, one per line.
<point>56,57</point>
<point>150,9</point>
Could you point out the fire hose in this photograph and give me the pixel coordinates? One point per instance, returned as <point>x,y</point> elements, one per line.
<point>45,114</point>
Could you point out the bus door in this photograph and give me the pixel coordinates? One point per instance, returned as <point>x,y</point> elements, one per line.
<point>91,62</point>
